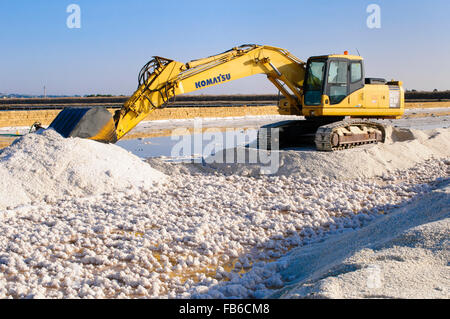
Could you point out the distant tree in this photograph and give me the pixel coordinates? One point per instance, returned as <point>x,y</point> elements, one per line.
<point>435,90</point>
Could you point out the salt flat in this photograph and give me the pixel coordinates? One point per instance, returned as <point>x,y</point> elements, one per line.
<point>81,219</point>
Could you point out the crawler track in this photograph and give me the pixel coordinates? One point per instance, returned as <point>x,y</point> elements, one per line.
<point>347,134</point>
<point>333,136</point>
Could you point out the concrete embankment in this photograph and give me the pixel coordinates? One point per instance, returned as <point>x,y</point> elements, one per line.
<point>45,117</point>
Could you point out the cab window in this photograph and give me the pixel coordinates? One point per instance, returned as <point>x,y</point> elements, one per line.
<point>315,75</point>
<point>355,72</point>
<point>338,72</point>
<point>314,82</point>
<point>337,81</point>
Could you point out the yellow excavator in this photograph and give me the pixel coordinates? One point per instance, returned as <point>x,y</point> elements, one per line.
<point>324,90</point>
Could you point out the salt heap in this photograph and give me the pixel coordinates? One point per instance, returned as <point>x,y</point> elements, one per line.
<point>403,149</point>
<point>47,167</point>
<point>400,255</point>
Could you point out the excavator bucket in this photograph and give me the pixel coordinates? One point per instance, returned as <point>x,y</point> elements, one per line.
<point>94,123</point>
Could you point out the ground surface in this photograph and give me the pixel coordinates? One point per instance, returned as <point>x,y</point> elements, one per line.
<point>369,222</point>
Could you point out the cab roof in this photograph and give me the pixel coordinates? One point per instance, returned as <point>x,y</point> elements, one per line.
<point>341,56</point>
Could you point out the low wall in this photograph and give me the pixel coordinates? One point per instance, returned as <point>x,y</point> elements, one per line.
<point>26,118</point>
<point>45,117</point>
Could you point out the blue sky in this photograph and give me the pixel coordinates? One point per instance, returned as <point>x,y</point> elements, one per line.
<point>116,38</point>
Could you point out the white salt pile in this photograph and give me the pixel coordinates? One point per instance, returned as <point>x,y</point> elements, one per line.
<point>212,235</point>
<point>403,149</point>
<point>402,255</point>
<point>47,167</point>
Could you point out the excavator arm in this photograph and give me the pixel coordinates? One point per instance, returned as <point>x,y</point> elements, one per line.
<point>161,80</point>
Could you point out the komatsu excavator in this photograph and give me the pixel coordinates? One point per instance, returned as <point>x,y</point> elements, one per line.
<point>324,90</point>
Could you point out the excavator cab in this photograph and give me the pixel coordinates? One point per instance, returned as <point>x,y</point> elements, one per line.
<point>330,79</point>
<point>335,86</point>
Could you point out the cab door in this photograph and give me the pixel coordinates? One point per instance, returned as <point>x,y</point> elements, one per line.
<point>356,83</point>
<point>337,81</point>
<point>343,78</point>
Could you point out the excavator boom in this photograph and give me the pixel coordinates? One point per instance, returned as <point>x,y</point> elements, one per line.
<point>161,80</point>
